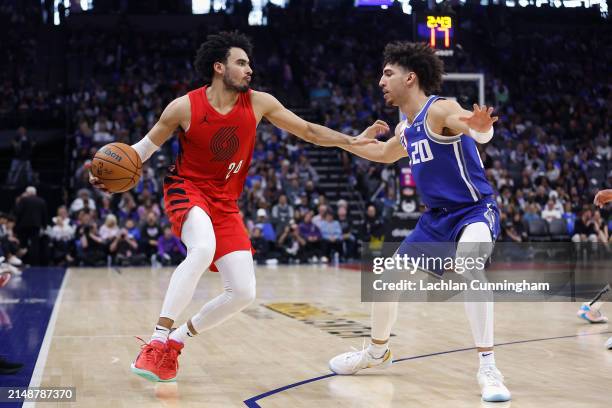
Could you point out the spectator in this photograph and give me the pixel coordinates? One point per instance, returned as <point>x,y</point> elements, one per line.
<point>501,92</point>
<point>541,197</point>
<point>551,212</point>
<point>261,246</point>
<point>128,208</point>
<point>303,204</point>
<point>509,233</point>
<point>349,236</point>
<point>312,236</point>
<point>110,229</point>
<point>291,243</point>
<point>293,189</point>
<point>105,207</point>
<point>62,237</point>
<point>552,171</point>
<point>519,226</point>
<point>83,139</point>
<point>148,181</point>
<point>282,212</point>
<point>21,165</point>
<point>312,193</point>
<point>124,248</point>
<point>584,230</point>
<point>170,251</point>
<point>266,227</point>
<point>389,203</point>
<point>91,248</point>
<point>305,171</point>
<point>82,202</point>
<point>531,213</point>
<point>570,218</point>
<point>320,217</point>
<point>31,213</point>
<point>149,236</point>
<point>132,229</point>
<point>10,243</point>
<point>331,235</point>
<point>148,206</point>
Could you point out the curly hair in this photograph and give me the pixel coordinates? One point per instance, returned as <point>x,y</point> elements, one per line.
<point>216,48</point>
<point>417,57</point>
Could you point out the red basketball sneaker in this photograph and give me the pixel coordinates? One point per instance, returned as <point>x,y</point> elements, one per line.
<point>169,363</point>
<point>151,362</point>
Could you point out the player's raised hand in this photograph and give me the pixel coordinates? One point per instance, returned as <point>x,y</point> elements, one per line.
<point>603,197</point>
<point>481,119</point>
<point>94,181</point>
<point>369,135</point>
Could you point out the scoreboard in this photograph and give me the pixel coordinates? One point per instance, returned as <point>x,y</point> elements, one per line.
<point>438,31</point>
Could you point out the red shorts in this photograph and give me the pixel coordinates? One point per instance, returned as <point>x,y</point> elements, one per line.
<point>230,233</point>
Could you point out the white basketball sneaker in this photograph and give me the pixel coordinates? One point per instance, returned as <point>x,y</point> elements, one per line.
<point>492,385</point>
<point>353,361</point>
<point>609,344</point>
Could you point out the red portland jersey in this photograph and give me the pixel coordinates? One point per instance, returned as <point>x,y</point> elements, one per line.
<point>216,151</point>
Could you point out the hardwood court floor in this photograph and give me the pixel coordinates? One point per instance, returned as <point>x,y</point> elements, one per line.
<point>316,310</point>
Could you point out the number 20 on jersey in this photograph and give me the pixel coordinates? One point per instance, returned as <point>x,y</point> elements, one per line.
<point>421,152</point>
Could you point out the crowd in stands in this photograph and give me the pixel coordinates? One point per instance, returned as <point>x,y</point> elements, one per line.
<point>550,153</point>
<point>23,101</point>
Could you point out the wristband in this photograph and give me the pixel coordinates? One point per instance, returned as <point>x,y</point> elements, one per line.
<point>482,137</point>
<point>145,148</point>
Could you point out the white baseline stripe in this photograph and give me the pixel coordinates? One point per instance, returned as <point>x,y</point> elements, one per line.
<point>41,361</point>
<point>468,184</point>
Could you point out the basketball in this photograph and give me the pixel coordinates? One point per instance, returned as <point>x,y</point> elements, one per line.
<point>118,166</point>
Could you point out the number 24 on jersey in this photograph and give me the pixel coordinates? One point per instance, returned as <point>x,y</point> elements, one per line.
<point>233,168</point>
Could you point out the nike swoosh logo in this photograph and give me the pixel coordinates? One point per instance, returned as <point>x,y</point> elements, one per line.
<point>488,354</point>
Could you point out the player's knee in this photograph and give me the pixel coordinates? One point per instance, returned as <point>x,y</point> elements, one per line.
<point>203,254</point>
<point>243,296</point>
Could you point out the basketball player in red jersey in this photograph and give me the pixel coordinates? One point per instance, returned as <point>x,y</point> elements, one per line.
<point>216,146</point>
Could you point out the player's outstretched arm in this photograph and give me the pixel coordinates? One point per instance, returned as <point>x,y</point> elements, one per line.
<point>449,114</point>
<point>382,152</point>
<point>270,108</point>
<point>603,197</point>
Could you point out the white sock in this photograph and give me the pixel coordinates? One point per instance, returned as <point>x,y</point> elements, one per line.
<point>378,350</point>
<point>487,359</point>
<point>181,333</point>
<point>160,334</point>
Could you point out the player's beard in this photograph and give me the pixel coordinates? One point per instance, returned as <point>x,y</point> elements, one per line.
<point>232,86</point>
